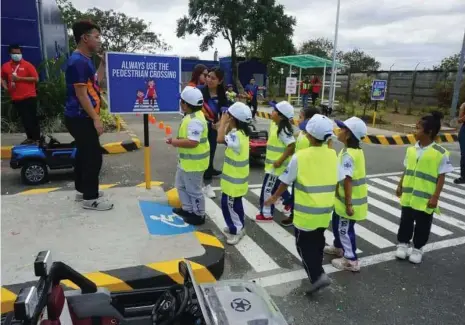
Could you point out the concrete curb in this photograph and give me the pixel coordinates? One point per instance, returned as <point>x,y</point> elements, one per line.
<point>207,268</point>
<point>390,140</point>
<point>107,148</point>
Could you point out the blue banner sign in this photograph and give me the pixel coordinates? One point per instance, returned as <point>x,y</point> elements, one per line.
<point>161,220</point>
<point>142,83</point>
<point>378,89</point>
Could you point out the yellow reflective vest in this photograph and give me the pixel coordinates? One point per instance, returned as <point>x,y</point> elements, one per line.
<point>274,150</point>
<point>359,187</point>
<point>302,141</point>
<point>315,187</point>
<point>194,159</point>
<point>234,179</point>
<point>421,176</point>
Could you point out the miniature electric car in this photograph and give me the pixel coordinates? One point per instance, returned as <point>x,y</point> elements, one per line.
<point>190,303</point>
<point>36,159</point>
<point>257,141</point>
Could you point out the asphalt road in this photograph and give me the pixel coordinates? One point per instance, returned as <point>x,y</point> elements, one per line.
<point>386,291</point>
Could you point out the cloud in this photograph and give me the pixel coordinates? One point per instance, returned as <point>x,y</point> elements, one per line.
<point>400,32</point>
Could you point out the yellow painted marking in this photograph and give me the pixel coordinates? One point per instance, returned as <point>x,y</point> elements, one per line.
<point>6,152</point>
<point>106,186</point>
<point>173,198</point>
<point>114,147</point>
<point>449,137</point>
<point>206,239</point>
<point>411,138</point>
<point>102,280</point>
<point>137,142</point>
<point>366,140</point>
<point>397,139</point>
<point>171,269</point>
<point>152,183</point>
<point>40,190</point>
<point>382,139</point>
<point>8,299</point>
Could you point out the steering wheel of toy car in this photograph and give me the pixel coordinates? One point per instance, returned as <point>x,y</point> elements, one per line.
<point>171,304</point>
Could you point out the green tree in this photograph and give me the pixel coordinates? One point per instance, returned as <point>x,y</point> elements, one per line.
<point>449,63</point>
<point>359,61</point>
<point>238,21</point>
<point>120,33</point>
<point>321,47</point>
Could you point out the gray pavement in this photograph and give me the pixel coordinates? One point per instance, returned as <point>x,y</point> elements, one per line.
<point>88,240</point>
<point>11,139</point>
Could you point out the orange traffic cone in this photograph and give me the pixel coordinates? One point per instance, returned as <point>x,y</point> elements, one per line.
<point>161,125</point>
<point>152,119</point>
<point>168,130</point>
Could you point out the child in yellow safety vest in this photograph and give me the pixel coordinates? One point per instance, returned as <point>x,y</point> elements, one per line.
<point>351,203</point>
<point>426,164</point>
<point>279,149</point>
<point>234,132</point>
<point>302,142</point>
<point>314,172</point>
<point>194,153</point>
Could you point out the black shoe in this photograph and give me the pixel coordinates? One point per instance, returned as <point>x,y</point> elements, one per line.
<point>180,212</point>
<point>194,219</point>
<point>216,172</point>
<point>460,180</point>
<point>287,222</point>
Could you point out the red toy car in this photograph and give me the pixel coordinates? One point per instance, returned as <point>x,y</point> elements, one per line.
<point>257,140</point>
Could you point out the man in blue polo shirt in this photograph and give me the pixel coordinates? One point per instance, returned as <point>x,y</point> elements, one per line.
<point>82,114</point>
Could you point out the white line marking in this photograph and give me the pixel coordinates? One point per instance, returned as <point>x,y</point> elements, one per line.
<point>380,221</point>
<point>372,237</point>
<point>329,236</point>
<point>446,187</point>
<point>442,204</point>
<point>273,229</point>
<point>282,278</point>
<point>442,217</point>
<point>254,254</point>
<point>397,212</point>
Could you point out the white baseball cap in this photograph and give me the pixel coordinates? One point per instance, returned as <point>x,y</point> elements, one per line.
<point>355,125</point>
<point>192,95</point>
<point>320,127</point>
<point>284,108</point>
<point>240,111</point>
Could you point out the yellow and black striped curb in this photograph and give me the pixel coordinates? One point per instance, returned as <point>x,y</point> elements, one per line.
<point>207,268</point>
<point>107,148</point>
<point>389,140</point>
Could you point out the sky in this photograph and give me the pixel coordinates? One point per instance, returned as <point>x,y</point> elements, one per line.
<point>399,34</point>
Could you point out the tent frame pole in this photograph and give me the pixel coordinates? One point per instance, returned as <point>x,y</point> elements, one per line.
<point>323,86</point>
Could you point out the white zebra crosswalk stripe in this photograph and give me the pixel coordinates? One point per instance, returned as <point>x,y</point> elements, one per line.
<point>396,213</point>
<point>442,217</point>
<point>254,254</point>
<point>442,204</point>
<point>446,187</point>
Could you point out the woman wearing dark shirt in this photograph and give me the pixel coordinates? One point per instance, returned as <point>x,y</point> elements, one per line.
<point>214,96</point>
<point>199,74</point>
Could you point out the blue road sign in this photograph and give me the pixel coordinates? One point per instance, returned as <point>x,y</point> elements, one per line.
<point>378,89</point>
<point>161,220</point>
<point>140,83</point>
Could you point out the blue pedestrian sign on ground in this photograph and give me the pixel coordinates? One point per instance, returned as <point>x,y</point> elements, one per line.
<point>161,220</point>
<point>378,89</point>
<point>142,83</point>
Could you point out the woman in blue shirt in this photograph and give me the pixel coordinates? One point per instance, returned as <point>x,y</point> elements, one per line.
<point>214,96</point>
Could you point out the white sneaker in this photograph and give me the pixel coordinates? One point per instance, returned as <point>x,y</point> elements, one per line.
<point>234,239</point>
<point>402,251</point>
<point>226,230</point>
<point>416,256</point>
<point>80,197</point>
<point>331,250</point>
<point>97,205</point>
<point>208,191</point>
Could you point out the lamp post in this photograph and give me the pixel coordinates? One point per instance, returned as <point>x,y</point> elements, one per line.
<point>332,89</point>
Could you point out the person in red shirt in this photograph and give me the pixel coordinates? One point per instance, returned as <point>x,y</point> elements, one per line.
<point>304,91</point>
<point>316,87</point>
<point>19,78</point>
<point>151,92</point>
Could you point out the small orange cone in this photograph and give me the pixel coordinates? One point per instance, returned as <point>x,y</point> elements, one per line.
<point>161,125</point>
<point>168,130</point>
<point>152,119</point>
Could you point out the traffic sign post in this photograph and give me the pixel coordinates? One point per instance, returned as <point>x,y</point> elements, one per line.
<point>142,83</point>
<point>378,93</point>
<point>291,87</point>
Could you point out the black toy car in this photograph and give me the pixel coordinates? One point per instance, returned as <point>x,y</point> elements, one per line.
<point>35,159</point>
